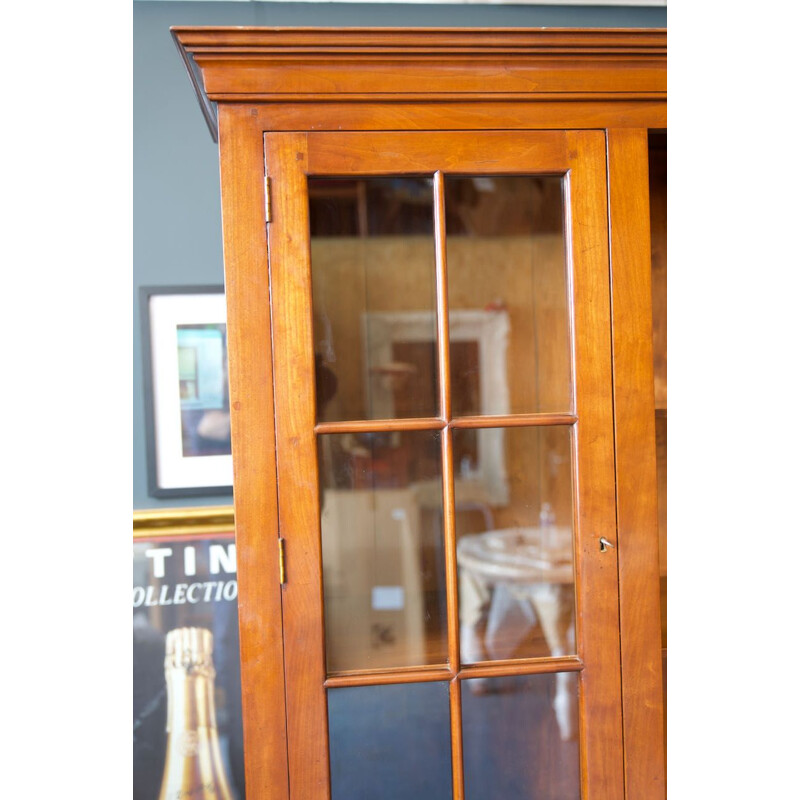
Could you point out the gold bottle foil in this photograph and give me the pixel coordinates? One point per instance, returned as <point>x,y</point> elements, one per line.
<point>194,769</point>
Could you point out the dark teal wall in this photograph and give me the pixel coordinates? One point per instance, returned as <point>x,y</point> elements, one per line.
<point>177,231</point>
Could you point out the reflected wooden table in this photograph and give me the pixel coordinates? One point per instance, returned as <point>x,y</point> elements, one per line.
<point>502,572</point>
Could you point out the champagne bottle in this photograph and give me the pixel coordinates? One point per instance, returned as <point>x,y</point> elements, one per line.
<point>194,769</point>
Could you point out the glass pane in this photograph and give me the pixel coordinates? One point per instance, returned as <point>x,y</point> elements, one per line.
<point>521,737</point>
<point>507,292</point>
<point>374,297</point>
<point>658,234</point>
<point>390,742</point>
<point>514,532</point>
<point>382,552</point>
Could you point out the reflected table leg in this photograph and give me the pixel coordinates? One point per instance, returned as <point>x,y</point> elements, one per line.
<point>553,605</point>
<point>473,602</point>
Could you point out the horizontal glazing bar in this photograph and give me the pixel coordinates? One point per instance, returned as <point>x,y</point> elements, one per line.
<point>486,669</point>
<point>434,423</point>
<point>373,425</point>
<point>383,677</point>
<point>498,669</point>
<point>513,421</point>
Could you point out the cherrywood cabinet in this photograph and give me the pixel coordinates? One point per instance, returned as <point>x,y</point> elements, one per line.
<point>409,514</point>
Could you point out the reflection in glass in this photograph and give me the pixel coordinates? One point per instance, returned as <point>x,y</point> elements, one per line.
<point>658,259</point>
<point>514,744</point>
<point>515,560</point>
<point>382,552</point>
<point>506,257</point>
<point>661,477</point>
<point>390,742</point>
<point>372,259</point>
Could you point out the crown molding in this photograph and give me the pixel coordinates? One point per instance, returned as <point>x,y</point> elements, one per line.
<point>392,65</point>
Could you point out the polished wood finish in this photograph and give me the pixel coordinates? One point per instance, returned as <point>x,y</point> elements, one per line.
<point>253,438</point>
<point>456,740</point>
<point>514,421</point>
<point>635,434</point>
<point>442,299</point>
<point>384,677</point>
<point>526,666</point>
<point>524,101</point>
<point>435,423</point>
<point>402,152</point>
<point>549,111</point>
<point>299,502</point>
<point>357,426</point>
<point>429,79</point>
<point>482,669</point>
<point>468,42</point>
<point>581,155</point>
<point>448,488</point>
<point>596,578</point>
<point>389,65</point>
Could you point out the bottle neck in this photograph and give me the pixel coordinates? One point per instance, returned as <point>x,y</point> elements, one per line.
<point>190,698</point>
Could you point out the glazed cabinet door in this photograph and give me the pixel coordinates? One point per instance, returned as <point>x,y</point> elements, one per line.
<point>445,464</point>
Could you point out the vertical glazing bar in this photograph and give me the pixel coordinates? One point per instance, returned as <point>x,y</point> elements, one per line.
<point>457,739</point>
<point>442,319</point>
<point>443,344</point>
<point>448,515</point>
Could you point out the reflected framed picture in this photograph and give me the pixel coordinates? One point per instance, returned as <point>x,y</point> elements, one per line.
<point>187,411</point>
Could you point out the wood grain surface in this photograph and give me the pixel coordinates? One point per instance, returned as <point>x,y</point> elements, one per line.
<point>410,101</point>
<point>635,434</point>
<point>596,572</point>
<point>254,468</point>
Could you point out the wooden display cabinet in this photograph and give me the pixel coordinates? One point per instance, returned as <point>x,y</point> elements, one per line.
<point>478,547</point>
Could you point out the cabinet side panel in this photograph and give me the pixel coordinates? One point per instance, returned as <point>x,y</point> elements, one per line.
<point>253,444</point>
<point>635,441</point>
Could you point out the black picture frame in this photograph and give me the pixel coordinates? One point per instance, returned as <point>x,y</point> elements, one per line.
<point>172,470</point>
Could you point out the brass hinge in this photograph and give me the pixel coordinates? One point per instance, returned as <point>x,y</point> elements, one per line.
<point>267,200</point>
<point>282,560</point>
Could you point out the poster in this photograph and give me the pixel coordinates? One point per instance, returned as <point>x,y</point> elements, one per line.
<point>185,596</point>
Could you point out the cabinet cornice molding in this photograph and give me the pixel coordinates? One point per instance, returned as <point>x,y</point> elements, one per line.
<point>422,65</point>
<point>407,41</point>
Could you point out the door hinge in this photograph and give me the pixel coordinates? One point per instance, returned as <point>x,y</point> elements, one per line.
<point>282,560</point>
<point>267,199</point>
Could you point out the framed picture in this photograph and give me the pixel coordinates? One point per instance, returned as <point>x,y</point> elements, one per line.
<point>187,412</point>
<point>186,665</point>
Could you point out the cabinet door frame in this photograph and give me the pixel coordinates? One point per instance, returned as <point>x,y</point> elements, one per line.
<point>580,156</point>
